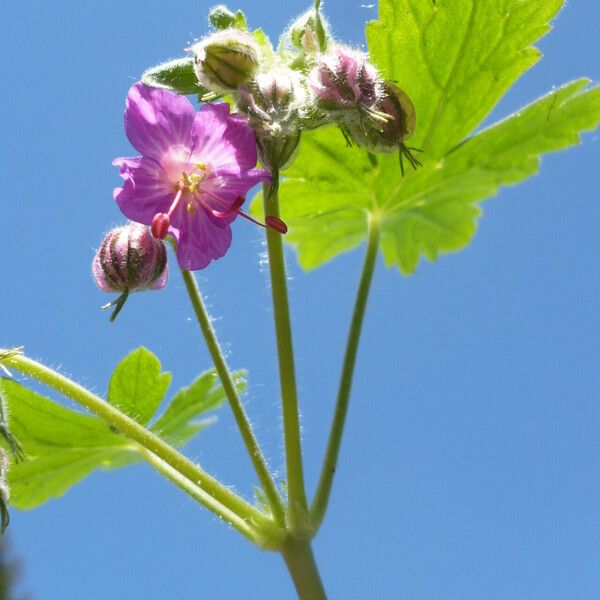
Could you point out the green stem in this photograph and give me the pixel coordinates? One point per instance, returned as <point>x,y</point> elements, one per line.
<point>133,430</point>
<point>319,505</point>
<point>300,561</point>
<point>297,505</point>
<point>201,496</point>
<point>243,422</point>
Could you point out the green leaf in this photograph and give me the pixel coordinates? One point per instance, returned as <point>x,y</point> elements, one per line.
<point>177,424</point>
<point>436,210</point>
<point>175,75</point>
<point>63,446</point>
<point>455,58</point>
<point>137,386</point>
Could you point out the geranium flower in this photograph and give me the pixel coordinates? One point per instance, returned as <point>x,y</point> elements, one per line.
<point>194,173</point>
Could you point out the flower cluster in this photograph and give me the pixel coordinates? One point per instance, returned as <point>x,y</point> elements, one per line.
<point>196,167</point>
<point>309,82</point>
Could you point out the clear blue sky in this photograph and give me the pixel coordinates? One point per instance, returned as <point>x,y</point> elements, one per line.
<point>471,465</point>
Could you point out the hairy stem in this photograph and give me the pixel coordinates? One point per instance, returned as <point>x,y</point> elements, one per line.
<point>201,496</point>
<point>243,422</point>
<point>321,499</point>
<point>300,561</point>
<point>297,517</point>
<point>151,442</point>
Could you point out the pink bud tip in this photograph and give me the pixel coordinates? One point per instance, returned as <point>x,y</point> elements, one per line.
<point>277,224</point>
<point>160,225</point>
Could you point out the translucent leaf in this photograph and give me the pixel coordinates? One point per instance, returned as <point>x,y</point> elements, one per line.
<point>63,446</point>
<point>177,424</point>
<point>455,59</point>
<point>137,386</point>
<point>435,211</point>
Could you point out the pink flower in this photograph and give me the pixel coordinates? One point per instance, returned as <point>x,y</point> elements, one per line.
<point>194,173</point>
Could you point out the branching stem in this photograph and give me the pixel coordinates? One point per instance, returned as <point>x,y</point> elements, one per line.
<point>208,485</point>
<point>321,499</point>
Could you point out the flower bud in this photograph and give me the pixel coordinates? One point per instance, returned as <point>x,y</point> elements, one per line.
<point>343,80</point>
<point>399,124</point>
<point>274,103</point>
<point>130,259</point>
<point>310,32</point>
<point>225,60</point>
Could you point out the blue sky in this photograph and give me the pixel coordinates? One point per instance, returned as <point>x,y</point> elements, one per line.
<point>471,464</point>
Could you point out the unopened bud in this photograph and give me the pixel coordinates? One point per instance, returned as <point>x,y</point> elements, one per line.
<point>130,259</point>
<point>399,124</point>
<point>274,103</point>
<point>310,32</point>
<point>343,80</point>
<point>388,134</point>
<point>225,60</point>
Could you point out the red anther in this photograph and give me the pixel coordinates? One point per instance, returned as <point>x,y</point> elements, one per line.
<point>277,224</point>
<point>160,226</point>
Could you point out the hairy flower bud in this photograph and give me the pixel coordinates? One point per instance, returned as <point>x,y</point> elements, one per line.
<point>343,80</point>
<point>129,260</point>
<point>225,60</point>
<point>387,134</point>
<point>310,32</point>
<point>274,103</point>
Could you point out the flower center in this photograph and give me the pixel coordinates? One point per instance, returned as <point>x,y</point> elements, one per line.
<point>193,181</point>
<point>190,189</point>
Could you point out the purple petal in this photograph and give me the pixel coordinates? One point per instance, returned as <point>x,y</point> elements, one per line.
<point>156,119</point>
<point>230,186</point>
<point>222,140</point>
<point>145,191</point>
<point>201,238</point>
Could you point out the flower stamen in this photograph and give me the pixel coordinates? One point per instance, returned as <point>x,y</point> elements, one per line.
<point>271,222</point>
<point>162,221</point>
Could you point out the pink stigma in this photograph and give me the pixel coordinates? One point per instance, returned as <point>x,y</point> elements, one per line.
<point>160,225</point>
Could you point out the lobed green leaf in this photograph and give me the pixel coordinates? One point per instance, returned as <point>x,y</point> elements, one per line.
<point>63,446</point>
<point>137,386</point>
<point>455,59</point>
<point>177,424</point>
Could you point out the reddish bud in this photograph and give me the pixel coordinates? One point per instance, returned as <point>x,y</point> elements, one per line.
<point>130,259</point>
